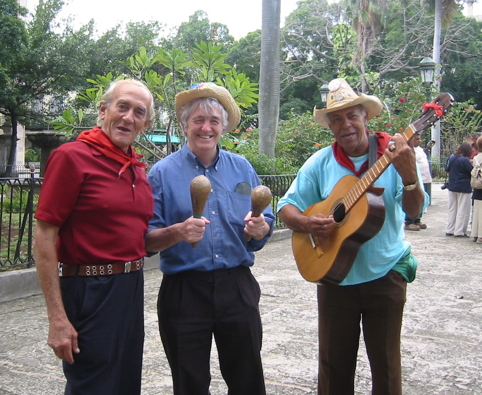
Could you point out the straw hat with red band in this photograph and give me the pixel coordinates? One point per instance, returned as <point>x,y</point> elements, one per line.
<point>342,96</point>
<point>210,89</point>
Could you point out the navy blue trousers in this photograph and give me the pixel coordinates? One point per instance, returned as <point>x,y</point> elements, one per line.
<point>108,314</point>
<point>195,306</point>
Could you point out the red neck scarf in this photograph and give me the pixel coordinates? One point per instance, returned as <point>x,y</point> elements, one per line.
<point>341,157</point>
<point>98,139</point>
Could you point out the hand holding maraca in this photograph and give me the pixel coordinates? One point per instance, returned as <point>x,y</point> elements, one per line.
<point>260,199</point>
<point>200,190</point>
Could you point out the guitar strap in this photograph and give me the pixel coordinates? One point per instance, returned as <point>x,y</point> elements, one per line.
<point>372,150</point>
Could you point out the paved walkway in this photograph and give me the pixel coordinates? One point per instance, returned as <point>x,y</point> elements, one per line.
<point>442,332</point>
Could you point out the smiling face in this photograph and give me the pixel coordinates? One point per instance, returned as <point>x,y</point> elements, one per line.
<point>349,129</point>
<point>203,131</point>
<point>125,116</point>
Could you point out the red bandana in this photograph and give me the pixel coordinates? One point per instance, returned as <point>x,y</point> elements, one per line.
<point>340,156</point>
<point>98,139</point>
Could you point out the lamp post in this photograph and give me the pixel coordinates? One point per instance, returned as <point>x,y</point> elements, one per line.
<point>324,94</point>
<point>427,70</point>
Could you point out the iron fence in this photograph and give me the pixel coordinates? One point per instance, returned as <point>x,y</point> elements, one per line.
<point>18,198</point>
<point>278,184</point>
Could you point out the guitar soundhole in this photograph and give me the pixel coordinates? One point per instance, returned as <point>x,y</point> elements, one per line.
<point>339,213</point>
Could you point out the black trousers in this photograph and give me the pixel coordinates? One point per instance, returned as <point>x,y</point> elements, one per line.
<point>108,314</point>
<point>195,306</point>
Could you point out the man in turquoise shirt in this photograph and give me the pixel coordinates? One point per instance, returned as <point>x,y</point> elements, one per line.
<point>374,289</point>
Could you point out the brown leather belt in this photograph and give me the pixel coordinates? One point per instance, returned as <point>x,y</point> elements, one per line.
<point>66,270</point>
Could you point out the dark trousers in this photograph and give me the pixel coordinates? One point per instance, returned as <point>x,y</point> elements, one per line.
<point>192,307</point>
<point>379,306</point>
<point>108,314</point>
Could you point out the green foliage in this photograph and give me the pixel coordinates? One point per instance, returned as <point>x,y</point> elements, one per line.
<point>209,61</point>
<point>68,121</point>
<point>297,139</point>
<point>32,155</point>
<point>17,202</point>
<point>462,121</point>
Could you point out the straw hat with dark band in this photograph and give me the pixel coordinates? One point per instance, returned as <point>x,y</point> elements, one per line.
<point>210,89</point>
<point>342,96</point>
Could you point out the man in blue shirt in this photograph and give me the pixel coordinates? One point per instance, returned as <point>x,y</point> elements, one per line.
<point>373,291</point>
<point>208,290</point>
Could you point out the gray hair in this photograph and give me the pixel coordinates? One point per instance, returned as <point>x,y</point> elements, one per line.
<point>208,105</point>
<point>109,94</point>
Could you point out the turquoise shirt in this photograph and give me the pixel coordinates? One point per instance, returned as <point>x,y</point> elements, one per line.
<point>314,183</point>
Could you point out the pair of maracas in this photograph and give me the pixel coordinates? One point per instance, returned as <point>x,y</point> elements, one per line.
<point>201,188</point>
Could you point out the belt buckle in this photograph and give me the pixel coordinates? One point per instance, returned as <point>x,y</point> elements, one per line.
<point>59,266</point>
<point>127,267</point>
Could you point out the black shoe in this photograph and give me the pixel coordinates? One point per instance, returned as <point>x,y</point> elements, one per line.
<point>464,235</point>
<point>449,234</point>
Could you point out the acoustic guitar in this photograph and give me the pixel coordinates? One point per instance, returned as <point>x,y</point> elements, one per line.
<point>358,210</point>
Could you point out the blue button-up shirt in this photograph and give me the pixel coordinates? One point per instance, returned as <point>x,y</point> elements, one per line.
<point>223,245</point>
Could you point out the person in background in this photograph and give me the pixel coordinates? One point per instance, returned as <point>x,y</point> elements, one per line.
<point>372,296</point>
<point>93,212</point>
<point>476,230</point>
<point>208,290</point>
<point>459,167</point>
<point>423,165</point>
<point>473,143</point>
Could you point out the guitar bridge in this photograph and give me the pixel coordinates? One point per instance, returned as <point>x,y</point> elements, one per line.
<point>315,245</point>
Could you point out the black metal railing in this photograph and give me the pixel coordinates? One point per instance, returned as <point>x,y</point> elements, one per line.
<point>18,199</point>
<point>278,184</point>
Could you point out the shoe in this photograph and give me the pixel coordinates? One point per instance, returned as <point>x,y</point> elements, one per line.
<point>464,235</point>
<point>479,240</point>
<point>422,226</point>
<point>412,227</point>
<point>449,234</point>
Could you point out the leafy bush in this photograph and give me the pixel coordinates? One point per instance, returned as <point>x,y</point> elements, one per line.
<point>297,139</point>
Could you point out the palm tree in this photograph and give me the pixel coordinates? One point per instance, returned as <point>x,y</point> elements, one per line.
<point>368,20</point>
<point>445,11</point>
<point>269,79</point>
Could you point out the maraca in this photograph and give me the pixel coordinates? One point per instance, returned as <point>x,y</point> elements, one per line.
<point>260,199</point>
<point>200,190</point>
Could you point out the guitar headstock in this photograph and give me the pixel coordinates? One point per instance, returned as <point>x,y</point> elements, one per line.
<point>432,112</point>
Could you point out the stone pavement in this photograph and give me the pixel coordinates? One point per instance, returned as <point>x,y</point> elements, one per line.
<point>441,338</point>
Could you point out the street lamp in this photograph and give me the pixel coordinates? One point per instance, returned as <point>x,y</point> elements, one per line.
<point>427,70</point>
<point>324,93</point>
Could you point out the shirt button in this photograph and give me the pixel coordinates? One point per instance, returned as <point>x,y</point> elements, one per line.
<point>207,170</point>
<point>217,256</point>
<point>213,212</point>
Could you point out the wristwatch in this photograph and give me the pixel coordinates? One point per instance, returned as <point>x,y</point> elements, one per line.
<point>410,187</point>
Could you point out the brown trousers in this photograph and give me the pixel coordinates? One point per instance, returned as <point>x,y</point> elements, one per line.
<point>378,305</point>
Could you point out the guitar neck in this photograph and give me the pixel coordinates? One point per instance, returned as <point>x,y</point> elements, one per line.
<point>373,174</point>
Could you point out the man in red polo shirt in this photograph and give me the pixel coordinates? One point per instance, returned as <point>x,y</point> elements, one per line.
<point>93,212</point>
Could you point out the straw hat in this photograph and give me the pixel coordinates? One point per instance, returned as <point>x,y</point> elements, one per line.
<point>210,89</point>
<point>342,96</point>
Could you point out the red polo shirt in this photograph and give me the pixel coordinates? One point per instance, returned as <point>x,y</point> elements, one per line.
<point>102,218</point>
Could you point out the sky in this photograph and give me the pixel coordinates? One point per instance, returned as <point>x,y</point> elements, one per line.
<point>240,17</point>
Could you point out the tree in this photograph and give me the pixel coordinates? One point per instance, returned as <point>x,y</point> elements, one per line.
<point>198,29</point>
<point>368,18</point>
<point>44,62</point>
<point>269,77</point>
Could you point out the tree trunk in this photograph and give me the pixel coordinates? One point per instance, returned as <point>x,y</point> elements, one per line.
<point>12,155</point>
<point>269,81</point>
